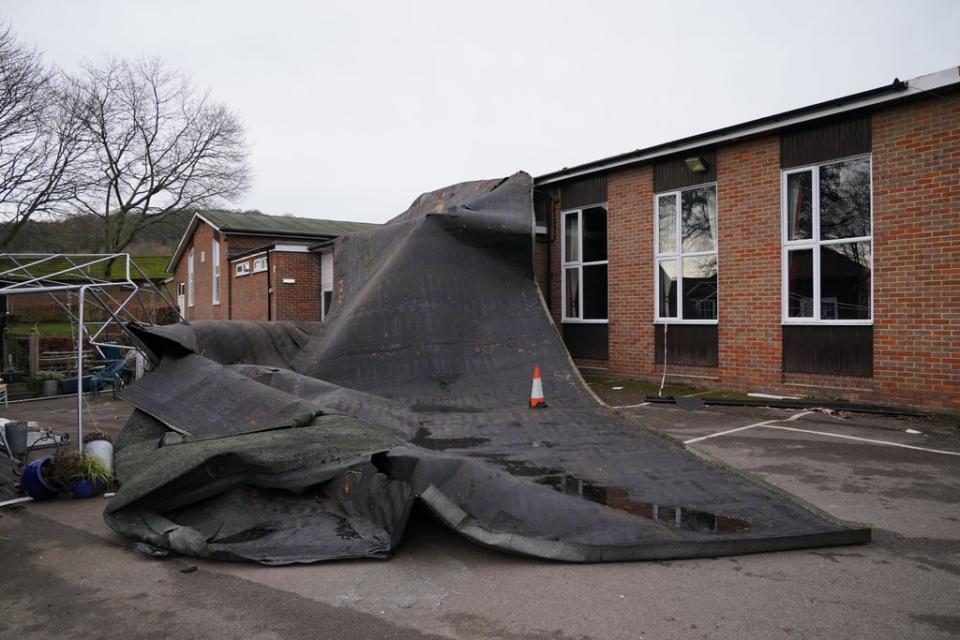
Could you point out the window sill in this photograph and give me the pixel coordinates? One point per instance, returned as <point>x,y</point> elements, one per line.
<point>677,321</point>
<point>825,323</point>
<point>577,321</point>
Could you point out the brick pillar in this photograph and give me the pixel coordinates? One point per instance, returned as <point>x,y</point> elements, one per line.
<point>916,241</point>
<point>556,266</point>
<point>630,253</point>
<point>748,215</point>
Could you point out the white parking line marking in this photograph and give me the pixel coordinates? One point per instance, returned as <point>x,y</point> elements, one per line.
<point>749,426</point>
<point>631,406</point>
<point>883,442</point>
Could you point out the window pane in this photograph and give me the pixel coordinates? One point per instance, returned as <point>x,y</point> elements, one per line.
<point>700,288</point>
<point>845,281</point>
<point>571,304</point>
<point>594,235</point>
<point>667,214</point>
<point>698,219</point>
<point>845,199</point>
<point>571,233</point>
<point>800,284</point>
<point>668,288</point>
<point>800,206</point>
<point>594,291</point>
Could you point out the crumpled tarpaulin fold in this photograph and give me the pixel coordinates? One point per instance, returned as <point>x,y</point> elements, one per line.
<point>298,442</point>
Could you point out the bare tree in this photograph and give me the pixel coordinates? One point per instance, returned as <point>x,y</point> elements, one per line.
<point>157,147</point>
<point>40,143</point>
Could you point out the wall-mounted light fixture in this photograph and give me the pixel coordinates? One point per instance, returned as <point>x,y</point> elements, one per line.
<point>695,164</point>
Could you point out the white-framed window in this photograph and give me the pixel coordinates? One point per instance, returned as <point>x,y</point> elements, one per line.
<point>215,264</point>
<point>191,288</point>
<point>203,256</point>
<point>827,238</point>
<point>685,249</point>
<point>584,258</point>
<point>260,264</point>
<point>241,268</point>
<point>181,289</point>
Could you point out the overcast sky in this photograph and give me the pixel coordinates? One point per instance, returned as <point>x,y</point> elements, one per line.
<point>352,109</point>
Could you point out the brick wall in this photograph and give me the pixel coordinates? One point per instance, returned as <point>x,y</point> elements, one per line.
<point>204,309</point>
<point>748,220</point>
<point>202,240</point>
<point>249,297</point>
<point>41,308</point>
<point>541,266</point>
<point>916,203</point>
<point>555,295</point>
<point>301,300</point>
<point>630,254</point>
<point>916,216</point>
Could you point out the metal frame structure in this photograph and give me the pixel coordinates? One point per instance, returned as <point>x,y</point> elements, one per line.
<point>85,276</point>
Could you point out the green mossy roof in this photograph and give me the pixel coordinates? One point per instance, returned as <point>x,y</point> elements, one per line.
<point>281,225</point>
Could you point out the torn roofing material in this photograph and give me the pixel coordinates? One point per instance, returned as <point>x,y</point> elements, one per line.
<point>282,442</point>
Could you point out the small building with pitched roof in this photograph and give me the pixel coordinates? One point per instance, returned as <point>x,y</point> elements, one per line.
<point>247,266</point>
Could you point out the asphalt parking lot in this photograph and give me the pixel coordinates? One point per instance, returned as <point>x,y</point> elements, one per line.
<point>66,574</point>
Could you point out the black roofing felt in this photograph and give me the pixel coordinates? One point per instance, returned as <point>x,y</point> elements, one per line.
<point>300,442</point>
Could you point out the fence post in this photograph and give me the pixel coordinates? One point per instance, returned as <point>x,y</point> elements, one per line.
<point>33,362</point>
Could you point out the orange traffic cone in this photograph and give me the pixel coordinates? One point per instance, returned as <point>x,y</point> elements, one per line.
<point>536,393</point>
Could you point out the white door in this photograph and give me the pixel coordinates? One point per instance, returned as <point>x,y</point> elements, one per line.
<point>181,300</point>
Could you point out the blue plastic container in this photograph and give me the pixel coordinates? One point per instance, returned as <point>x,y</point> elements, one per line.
<point>87,488</point>
<point>33,482</point>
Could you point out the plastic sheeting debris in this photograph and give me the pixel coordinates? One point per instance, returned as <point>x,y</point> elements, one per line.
<point>299,442</point>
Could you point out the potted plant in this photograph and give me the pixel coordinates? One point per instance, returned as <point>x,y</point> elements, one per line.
<point>37,481</point>
<point>61,468</point>
<point>99,445</point>
<point>49,382</point>
<point>90,477</point>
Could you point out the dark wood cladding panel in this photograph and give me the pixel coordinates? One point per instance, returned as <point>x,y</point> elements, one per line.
<point>830,140</point>
<point>589,190</point>
<point>587,340</point>
<point>542,208</point>
<point>828,350</point>
<point>672,173</point>
<point>690,344</point>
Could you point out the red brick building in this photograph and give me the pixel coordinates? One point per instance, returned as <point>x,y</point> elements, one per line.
<point>241,266</point>
<point>814,252</point>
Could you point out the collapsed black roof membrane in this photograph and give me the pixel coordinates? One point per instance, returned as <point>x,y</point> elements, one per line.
<point>298,442</point>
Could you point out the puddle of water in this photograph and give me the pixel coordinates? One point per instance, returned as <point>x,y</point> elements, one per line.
<point>520,468</point>
<point>675,516</point>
